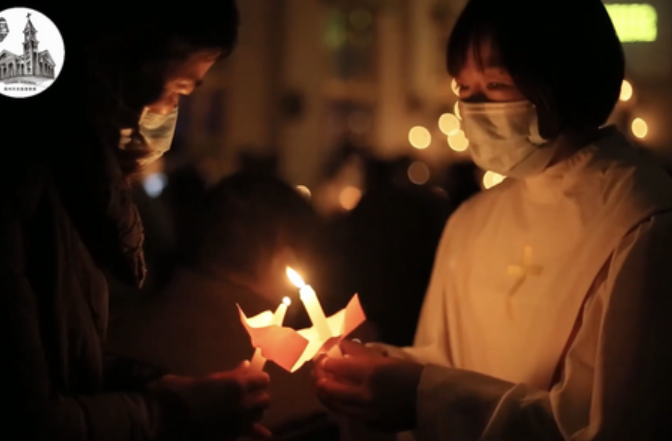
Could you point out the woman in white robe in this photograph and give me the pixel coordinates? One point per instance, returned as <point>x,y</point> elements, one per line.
<point>549,313</point>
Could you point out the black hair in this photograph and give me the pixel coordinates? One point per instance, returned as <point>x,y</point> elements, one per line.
<point>564,55</point>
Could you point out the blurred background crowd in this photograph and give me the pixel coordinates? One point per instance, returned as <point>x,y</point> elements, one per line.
<point>331,142</point>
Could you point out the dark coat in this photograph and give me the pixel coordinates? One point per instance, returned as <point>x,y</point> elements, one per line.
<point>58,230</point>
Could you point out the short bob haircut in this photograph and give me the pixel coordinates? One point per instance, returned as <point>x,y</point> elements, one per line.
<point>564,56</point>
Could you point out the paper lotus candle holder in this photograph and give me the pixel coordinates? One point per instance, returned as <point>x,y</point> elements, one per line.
<point>291,349</point>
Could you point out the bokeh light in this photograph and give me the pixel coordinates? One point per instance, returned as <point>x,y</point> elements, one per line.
<point>491,179</point>
<point>418,173</point>
<point>454,87</point>
<point>304,191</point>
<point>419,137</point>
<point>154,184</point>
<point>640,128</point>
<point>458,141</point>
<point>449,124</point>
<point>626,91</point>
<point>349,197</point>
<point>456,110</point>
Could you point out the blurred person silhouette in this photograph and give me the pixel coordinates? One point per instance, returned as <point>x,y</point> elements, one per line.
<point>548,311</point>
<point>186,195</point>
<point>254,226</point>
<point>390,238</point>
<point>258,163</point>
<point>68,218</point>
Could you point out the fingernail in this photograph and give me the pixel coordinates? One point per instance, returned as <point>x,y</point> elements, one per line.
<point>356,340</point>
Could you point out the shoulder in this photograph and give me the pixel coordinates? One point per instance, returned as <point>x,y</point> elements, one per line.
<point>633,186</point>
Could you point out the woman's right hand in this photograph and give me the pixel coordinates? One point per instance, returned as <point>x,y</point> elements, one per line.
<point>224,405</point>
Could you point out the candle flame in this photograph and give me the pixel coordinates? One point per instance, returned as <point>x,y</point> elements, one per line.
<point>287,301</point>
<point>295,278</point>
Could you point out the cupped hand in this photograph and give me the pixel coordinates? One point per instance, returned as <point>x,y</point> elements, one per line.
<point>226,405</point>
<point>364,385</point>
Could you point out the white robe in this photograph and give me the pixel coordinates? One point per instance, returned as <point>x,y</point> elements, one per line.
<point>586,246</point>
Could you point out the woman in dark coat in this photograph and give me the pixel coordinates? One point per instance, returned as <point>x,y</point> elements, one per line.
<point>66,217</point>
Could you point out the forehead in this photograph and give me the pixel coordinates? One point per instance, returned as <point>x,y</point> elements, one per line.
<point>483,54</point>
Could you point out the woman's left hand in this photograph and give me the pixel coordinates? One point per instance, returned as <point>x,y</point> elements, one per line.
<point>381,391</point>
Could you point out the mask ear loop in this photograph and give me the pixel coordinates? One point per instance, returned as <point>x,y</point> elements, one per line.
<point>548,113</point>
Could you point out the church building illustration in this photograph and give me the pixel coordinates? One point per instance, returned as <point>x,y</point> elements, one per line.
<point>31,64</point>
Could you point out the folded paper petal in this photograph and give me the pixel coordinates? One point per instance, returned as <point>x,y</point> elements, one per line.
<point>341,324</point>
<point>354,316</point>
<point>281,345</point>
<point>291,349</point>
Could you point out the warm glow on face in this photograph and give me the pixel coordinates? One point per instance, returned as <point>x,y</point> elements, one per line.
<point>449,124</point>
<point>349,197</point>
<point>458,141</point>
<point>491,179</point>
<point>295,278</point>
<point>419,137</point>
<point>418,173</point>
<point>640,128</point>
<point>626,91</point>
<point>287,301</point>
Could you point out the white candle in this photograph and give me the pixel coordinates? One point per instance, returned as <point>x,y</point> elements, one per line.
<point>258,360</point>
<point>312,305</point>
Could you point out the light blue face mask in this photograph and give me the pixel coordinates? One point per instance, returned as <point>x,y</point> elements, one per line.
<point>157,130</point>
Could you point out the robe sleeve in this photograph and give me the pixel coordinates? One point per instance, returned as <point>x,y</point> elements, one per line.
<point>622,356</point>
<point>431,339</point>
<point>34,410</point>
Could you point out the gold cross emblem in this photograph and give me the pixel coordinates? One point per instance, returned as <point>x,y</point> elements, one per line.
<point>521,272</point>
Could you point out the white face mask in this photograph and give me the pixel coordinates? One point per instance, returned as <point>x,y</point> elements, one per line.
<point>504,138</point>
<point>158,131</point>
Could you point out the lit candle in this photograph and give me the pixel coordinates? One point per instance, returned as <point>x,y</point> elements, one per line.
<point>312,304</point>
<point>258,360</point>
